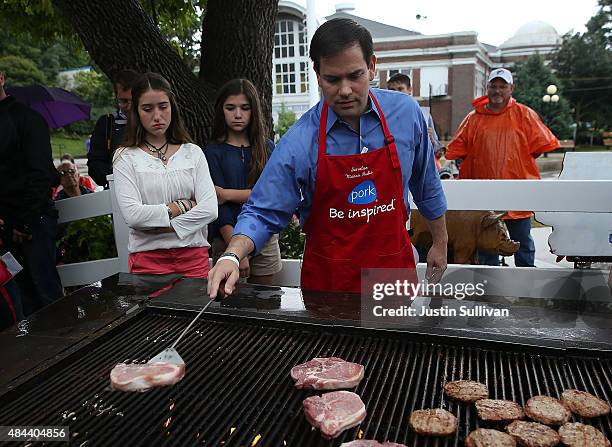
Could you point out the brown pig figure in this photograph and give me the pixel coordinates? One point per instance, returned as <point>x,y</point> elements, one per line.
<point>468,232</point>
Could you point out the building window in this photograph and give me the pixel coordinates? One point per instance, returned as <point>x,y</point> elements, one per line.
<point>406,71</point>
<point>434,81</point>
<point>290,58</point>
<point>479,86</point>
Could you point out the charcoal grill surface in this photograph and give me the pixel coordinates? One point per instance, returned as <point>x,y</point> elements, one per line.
<point>237,384</point>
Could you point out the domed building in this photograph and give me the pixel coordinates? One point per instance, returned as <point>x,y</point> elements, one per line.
<point>533,37</point>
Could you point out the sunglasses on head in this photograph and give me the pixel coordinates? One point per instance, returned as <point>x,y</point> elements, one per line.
<point>67,171</point>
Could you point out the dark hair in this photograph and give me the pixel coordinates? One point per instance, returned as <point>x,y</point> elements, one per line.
<point>135,133</point>
<point>126,79</point>
<point>256,129</point>
<point>67,157</point>
<point>337,35</point>
<point>399,78</point>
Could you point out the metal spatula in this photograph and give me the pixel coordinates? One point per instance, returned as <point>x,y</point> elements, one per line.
<point>170,355</point>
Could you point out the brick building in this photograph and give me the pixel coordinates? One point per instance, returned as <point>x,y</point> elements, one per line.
<point>448,70</point>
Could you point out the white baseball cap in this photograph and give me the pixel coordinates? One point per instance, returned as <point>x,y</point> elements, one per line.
<point>501,73</point>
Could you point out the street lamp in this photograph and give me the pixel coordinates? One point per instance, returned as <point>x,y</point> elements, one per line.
<point>550,97</point>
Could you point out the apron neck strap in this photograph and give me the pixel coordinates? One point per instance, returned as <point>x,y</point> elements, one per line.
<point>389,139</point>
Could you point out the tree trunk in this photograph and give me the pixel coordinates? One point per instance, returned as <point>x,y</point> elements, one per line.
<point>119,34</point>
<point>237,42</point>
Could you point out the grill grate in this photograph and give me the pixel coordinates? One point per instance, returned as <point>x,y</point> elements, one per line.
<point>237,385</point>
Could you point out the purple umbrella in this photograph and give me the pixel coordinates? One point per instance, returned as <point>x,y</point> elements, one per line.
<point>59,107</point>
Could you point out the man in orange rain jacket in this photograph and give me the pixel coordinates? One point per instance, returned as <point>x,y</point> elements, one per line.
<point>501,139</point>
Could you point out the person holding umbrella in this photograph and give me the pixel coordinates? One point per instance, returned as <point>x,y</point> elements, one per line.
<point>29,218</point>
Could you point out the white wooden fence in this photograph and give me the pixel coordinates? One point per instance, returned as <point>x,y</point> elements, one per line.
<point>581,196</point>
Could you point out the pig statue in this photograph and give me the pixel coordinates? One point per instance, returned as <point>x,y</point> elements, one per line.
<point>468,232</point>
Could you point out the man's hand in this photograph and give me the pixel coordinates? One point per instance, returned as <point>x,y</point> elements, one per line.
<point>245,269</point>
<point>436,263</point>
<point>223,278</point>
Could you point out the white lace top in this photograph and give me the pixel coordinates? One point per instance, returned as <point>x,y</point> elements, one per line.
<point>143,186</point>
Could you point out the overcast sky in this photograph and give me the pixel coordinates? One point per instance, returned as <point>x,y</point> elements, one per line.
<point>493,21</point>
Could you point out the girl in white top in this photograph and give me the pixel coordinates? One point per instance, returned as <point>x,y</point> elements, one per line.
<point>163,186</point>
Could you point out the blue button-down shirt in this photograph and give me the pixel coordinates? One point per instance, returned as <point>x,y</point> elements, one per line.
<point>288,180</point>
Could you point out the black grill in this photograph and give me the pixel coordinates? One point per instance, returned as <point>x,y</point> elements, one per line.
<point>237,384</point>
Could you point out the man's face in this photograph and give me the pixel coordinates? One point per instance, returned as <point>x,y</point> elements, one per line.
<point>399,87</point>
<point>499,93</point>
<point>124,98</point>
<point>345,78</point>
<point>2,80</point>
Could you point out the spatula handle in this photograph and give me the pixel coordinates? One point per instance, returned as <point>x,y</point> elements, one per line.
<point>190,324</point>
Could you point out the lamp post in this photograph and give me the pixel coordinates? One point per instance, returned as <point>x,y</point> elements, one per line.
<point>551,98</point>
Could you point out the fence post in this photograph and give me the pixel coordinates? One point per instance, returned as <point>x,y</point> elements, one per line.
<point>120,228</point>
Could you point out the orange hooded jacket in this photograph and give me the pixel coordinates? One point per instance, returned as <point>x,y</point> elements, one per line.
<point>501,145</point>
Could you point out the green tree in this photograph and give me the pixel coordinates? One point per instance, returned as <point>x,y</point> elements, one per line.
<point>237,37</point>
<point>531,79</point>
<point>20,71</point>
<point>584,65</point>
<point>286,119</point>
<point>93,88</point>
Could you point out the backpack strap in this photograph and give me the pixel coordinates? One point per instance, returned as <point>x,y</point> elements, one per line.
<point>109,131</point>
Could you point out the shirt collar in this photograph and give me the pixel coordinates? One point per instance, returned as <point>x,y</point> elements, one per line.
<point>332,118</point>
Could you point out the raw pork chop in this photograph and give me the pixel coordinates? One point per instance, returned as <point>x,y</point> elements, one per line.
<point>370,443</point>
<point>334,412</point>
<point>330,373</point>
<point>141,377</point>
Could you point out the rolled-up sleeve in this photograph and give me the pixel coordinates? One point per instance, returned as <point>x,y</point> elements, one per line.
<point>424,182</point>
<point>137,215</point>
<point>206,209</point>
<point>276,195</point>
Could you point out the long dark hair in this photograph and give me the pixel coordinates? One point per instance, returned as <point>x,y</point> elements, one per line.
<point>256,129</point>
<point>135,132</point>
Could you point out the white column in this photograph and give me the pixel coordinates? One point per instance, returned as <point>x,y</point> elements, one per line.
<point>311,25</point>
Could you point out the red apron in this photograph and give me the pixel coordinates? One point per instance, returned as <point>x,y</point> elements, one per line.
<point>358,216</point>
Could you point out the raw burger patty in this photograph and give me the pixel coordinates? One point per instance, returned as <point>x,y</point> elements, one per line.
<point>369,443</point>
<point>547,410</point>
<point>484,437</point>
<point>334,412</point>
<point>466,390</point>
<point>581,435</point>
<point>433,422</point>
<point>532,434</point>
<point>498,410</point>
<point>585,404</point>
<point>329,373</point>
<point>141,377</point>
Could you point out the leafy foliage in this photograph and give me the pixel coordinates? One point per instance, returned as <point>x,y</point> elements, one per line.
<point>20,71</point>
<point>584,64</point>
<point>292,241</point>
<point>532,78</point>
<point>86,240</point>
<point>286,119</point>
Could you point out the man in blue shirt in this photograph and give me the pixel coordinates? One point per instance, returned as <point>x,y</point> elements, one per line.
<point>370,146</point>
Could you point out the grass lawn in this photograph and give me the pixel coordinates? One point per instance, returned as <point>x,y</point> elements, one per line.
<point>73,146</point>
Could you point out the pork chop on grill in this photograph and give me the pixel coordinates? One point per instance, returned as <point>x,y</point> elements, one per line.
<point>485,437</point>
<point>533,434</point>
<point>433,422</point>
<point>334,412</point>
<point>466,390</point>
<point>142,377</point>
<point>369,443</point>
<point>582,435</point>
<point>331,373</point>
<point>498,410</point>
<point>547,410</point>
<point>585,404</point>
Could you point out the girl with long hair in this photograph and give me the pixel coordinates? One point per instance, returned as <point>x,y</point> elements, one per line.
<point>163,186</point>
<point>237,156</point>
